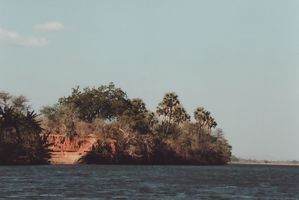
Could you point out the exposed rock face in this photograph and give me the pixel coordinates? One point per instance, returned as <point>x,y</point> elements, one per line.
<point>69,150</point>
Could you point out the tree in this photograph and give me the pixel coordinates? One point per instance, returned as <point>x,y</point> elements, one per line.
<point>105,102</point>
<point>61,115</point>
<point>51,112</point>
<point>137,117</point>
<point>204,118</point>
<point>172,111</point>
<point>21,141</point>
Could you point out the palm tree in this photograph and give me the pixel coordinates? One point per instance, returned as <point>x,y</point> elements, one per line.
<point>172,110</point>
<point>204,118</point>
<point>20,134</point>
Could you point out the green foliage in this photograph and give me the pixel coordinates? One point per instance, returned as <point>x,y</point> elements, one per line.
<point>21,141</point>
<point>128,133</point>
<point>101,154</point>
<point>172,111</point>
<point>105,102</point>
<point>137,117</point>
<point>51,112</point>
<point>198,146</point>
<point>59,116</point>
<point>204,118</point>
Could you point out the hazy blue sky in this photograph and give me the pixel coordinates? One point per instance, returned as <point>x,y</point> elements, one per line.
<point>237,58</point>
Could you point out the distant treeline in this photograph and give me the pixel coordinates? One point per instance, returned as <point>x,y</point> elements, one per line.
<point>238,160</point>
<point>127,132</point>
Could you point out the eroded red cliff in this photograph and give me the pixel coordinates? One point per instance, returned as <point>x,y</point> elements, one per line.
<point>69,150</point>
<point>65,150</point>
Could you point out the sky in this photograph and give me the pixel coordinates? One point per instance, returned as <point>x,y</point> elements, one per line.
<point>237,58</point>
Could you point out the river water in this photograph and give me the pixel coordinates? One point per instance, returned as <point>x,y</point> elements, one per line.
<point>149,182</point>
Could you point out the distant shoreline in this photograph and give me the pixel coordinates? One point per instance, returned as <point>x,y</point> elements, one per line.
<point>279,163</point>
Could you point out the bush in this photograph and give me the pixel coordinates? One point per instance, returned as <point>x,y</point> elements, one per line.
<point>21,141</point>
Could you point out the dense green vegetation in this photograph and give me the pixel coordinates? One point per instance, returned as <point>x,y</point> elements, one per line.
<point>128,133</point>
<point>125,130</point>
<point>21,141</point>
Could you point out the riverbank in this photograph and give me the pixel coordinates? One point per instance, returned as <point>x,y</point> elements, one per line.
<point>65,150</point>
<point>262,162</point>
<point>94,150</point>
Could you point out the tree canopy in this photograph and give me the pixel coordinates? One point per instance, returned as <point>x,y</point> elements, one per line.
<point>21,141</point>
<point>106,102</point>
<point>129,133</point>
<point>204,118</point>
<point>172,111</point>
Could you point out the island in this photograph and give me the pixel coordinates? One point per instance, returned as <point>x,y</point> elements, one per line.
<point>101,125</point>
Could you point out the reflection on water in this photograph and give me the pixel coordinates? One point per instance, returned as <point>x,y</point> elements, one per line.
<point>149,182</point>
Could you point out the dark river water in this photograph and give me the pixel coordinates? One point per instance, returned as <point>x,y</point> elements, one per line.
<point>149,182</point>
